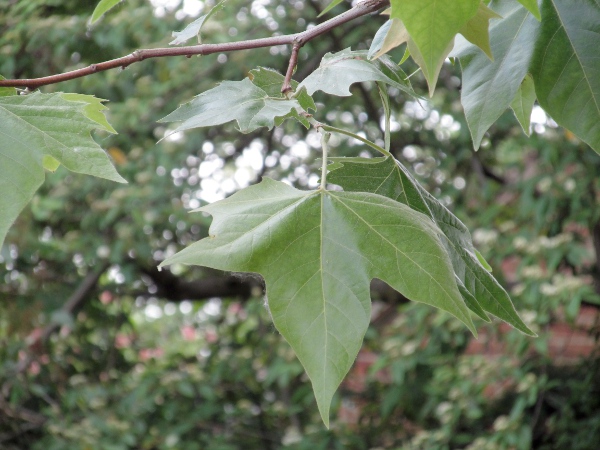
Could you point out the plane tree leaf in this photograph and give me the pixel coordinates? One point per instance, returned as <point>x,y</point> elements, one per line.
<point>250,105</point>
<point>432,26</point>
<point>318,251</point>
<point>476,30</point>
<point>329,7</point>
<point>532,7</point>
<point>45,129</point>
<point>489,87</point>
<point>566,66</point>
<point>193,29</point>
<point>522,104</point>
<point>388,177</point>
<point>338,71</point>
<point>102,8</point>
<point>391,34</point>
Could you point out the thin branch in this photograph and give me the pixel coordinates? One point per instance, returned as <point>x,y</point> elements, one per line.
<point>287,83</point>
<point>363,8</point>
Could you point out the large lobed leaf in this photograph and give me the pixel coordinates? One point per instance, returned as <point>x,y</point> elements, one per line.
<point>388,177</point>
<point>251,104</point>
<point>318,251</point>
<point>38,126</point>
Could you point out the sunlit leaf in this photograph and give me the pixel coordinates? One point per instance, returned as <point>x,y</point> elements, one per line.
<point>36,126</point>
<point>476,30</point>
<point>386,176</point>
<point>432,26</point>
<point>318,251</point>
<point>532,6</point>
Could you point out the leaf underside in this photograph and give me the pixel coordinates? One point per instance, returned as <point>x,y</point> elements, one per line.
<point>318,251</point>
<point>388,177</point>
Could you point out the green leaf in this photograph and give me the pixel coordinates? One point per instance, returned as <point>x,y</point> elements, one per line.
<point>318,252</point>
<point>36,126</point>
<point>243,101</point>
<point>93,110</point>
<point>391,34</point>
<point>432,26</point>
<point>482,261</point>
<point>101,8</point>
<point>338,71</point>
<point>386,176</point>
<point>329,7</point>
<point>489,87</point>
<point>566,66</point>
<point>532,6</point>
<point>418,58</point>
<point>476,30</point>
<point>522,104</point>
<point>193,29</point>
<point>6,91</point>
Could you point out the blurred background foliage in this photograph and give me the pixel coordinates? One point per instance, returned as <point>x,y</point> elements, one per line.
<point>99,350</point>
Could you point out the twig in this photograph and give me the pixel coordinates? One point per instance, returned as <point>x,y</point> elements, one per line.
<point>287,83</point>
<point>363,8</point>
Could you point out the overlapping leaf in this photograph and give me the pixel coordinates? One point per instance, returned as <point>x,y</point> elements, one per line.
<point>566,66</point>
<point>489,87</point>
<point>193,29</point>
<point>102,8</point>
<point>251,104</point>
<point>522,104</point>
<point>318,252</point>
<point>432,26</point>
<point>338,71</point>
<point>38,126</point>
<point>387,177</point>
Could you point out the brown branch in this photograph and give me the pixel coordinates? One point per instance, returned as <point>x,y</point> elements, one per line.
<point>363,8</point>
<point>287,83</point>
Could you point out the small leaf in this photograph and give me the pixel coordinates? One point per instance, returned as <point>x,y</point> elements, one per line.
<point>532,6</point>
<point>193,29</point>
<point>522,104</point>
<point>270,81</point>
<point>93,110</point>
<point>338,71</point>
<point>318,252</point>
<point>329,7</point>
<point>432,25</point>
<point>476,30</point>
<point>386,176</point>
<point>482,261</point>
<point>50,163</point>
<point>488,87</point>
<point>242,101</point>
<point>101,8</point>
<point>566,66</point>
<point>44,129</point>
<point>391,34</point>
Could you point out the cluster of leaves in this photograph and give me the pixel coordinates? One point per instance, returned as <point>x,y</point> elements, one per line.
<point>318,250</point>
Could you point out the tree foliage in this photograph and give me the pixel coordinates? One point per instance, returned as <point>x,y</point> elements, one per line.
<point>317,250</point>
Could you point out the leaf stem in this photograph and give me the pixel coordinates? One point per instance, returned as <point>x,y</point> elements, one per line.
<point>329,128</point>
<point>325,146</point>
<point>287,82</point>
